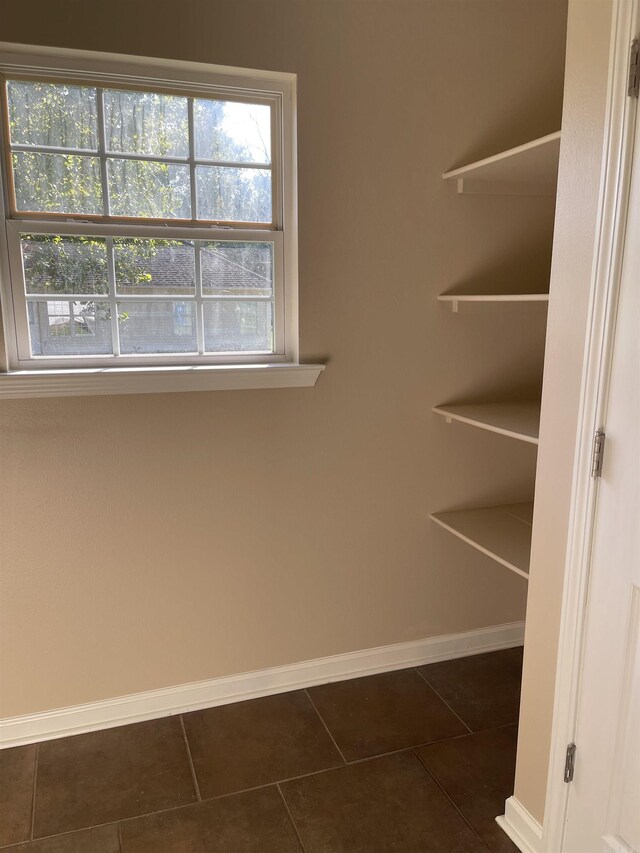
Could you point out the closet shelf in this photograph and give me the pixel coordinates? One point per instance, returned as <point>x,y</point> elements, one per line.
<point>516,420</point>
<point>501,532</point>
<point>492,298</point>
<point>530,169</point>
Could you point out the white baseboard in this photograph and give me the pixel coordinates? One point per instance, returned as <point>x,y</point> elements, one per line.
<point>15,731</point>
<point>521,827</point>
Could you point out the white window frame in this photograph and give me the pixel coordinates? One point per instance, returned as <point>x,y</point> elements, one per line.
<point>25,375</point>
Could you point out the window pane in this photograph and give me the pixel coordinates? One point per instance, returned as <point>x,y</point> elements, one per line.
<point>231,326</point>
<point>64,264</point>
<point>61,327</point>
<point>233,195</point>
<point>157,327</point>
<point>243,269</point>
<point>164,267</point>
<point>53,114</point>
<point>57,183</point>
<point>232,132</point>
<point>146,123</point>
<point>156,190</point>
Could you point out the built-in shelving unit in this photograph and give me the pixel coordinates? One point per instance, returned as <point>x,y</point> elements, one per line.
<point>530,169</point>
<point>501,532</point>
<point>454,299</point>
<point>515,420</point>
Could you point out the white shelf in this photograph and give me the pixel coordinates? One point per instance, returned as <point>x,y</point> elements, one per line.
<point>516,420</point>
<point>454,299</point>
<point>501,532</point>
<point>530,169</point>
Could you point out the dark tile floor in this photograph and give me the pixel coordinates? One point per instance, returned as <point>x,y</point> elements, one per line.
<point>413,761</point>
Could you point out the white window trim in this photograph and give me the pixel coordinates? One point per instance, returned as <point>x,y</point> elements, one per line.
<point>21,378</point>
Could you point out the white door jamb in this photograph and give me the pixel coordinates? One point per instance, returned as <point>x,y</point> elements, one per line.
<point>604,288</point>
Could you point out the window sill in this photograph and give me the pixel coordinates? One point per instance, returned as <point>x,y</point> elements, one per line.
<point>155,380</point>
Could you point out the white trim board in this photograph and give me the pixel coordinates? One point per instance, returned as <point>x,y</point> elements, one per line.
<point>62,722</point>
<point>521,827</point>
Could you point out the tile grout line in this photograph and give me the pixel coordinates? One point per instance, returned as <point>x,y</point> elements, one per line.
<point>428,683</point>
<point>81,829</point>
<point>293,823</point>
<point>442,789</point>
<point>320,717</point>
<point>33,797</point>
<point>194,778</point>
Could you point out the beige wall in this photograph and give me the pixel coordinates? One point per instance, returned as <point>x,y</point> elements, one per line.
<point>155,540</point>
<point>573,252</point>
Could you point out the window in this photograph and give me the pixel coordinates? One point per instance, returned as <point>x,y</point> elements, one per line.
<point>150,216</point>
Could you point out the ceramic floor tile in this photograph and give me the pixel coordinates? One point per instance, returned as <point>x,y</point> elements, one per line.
<point>138,777</point>
<point>105,776</point>
<point>477,772</point>
<point>252,822</point>
<point>16,793</point>
<point>377,806</point>
<point>483,689</point>
<point>104,839</point>
<point>381,713</point>
<point>247,744</point>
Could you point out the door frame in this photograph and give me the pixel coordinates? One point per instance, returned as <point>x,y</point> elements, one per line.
<point>617,154</point>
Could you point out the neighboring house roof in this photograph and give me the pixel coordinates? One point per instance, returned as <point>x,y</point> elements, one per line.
<point>216,267</point>
<point>170,268</point>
